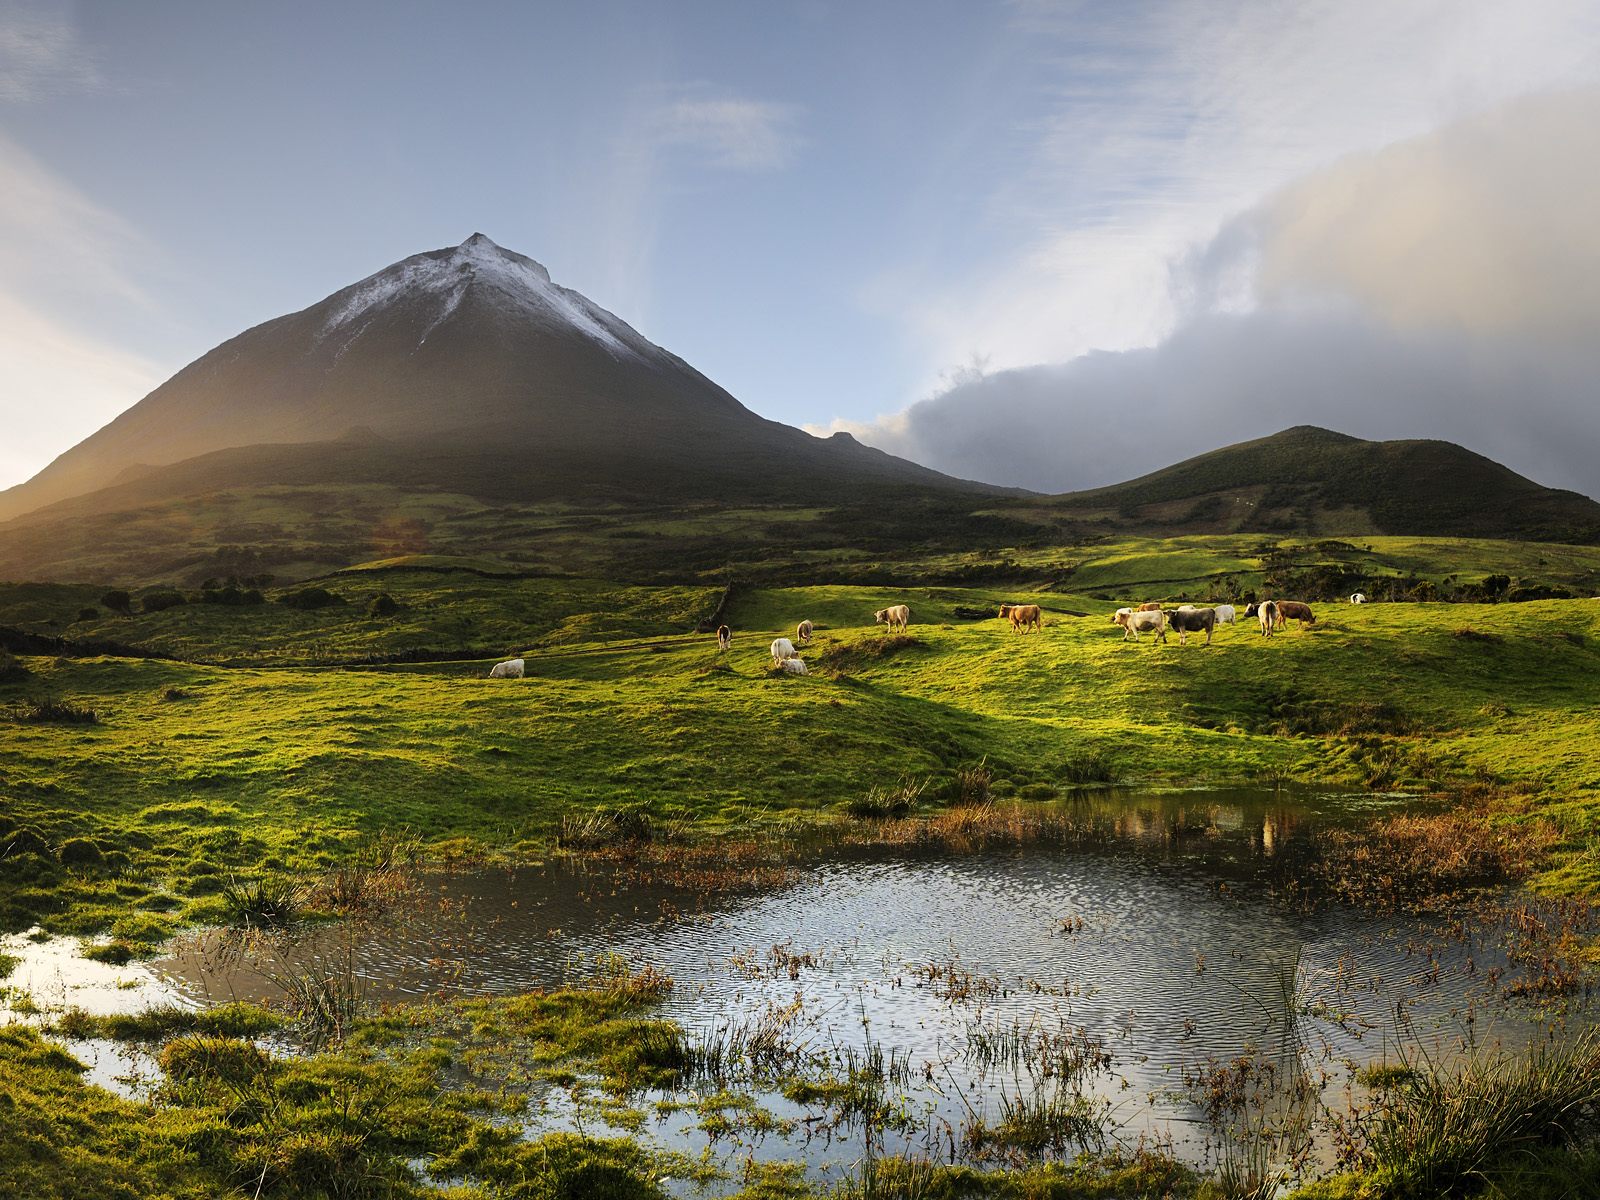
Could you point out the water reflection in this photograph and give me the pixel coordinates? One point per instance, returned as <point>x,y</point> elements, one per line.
<point>1134,931</point>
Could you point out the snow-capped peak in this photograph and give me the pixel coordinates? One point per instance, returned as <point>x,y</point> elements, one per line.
<point>440,279</point>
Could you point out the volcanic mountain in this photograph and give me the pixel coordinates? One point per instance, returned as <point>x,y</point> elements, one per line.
<point>465,369</point>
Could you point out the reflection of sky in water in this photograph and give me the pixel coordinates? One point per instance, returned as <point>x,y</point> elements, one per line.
<point>1155,938</point>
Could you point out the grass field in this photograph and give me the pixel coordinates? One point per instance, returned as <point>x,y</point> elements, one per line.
<point>134,791</point>
<point>190,769</point>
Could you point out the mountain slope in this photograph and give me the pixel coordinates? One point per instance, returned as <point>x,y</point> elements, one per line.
<point>443,358</point>
<point>1313,480</point>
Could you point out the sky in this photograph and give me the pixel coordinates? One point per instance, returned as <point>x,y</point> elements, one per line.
<point>1046,243</point>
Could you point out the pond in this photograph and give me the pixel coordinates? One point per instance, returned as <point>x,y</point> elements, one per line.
<point>1131,973</point>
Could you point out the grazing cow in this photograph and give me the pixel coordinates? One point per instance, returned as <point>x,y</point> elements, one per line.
<point>1023,617</point>
<point>794,666</point>
<point>1149,606</point>
<point>1358,598</point>
<point>507,670</point>
<point>1192,620</point>
<point>1293,610</point>
<point>897,616</point>
<point>1151,621</point>
<point>782,649</point>
<point>1267,614</point>
<point>1224,614</point>
<point>803,631</point>
<point>724,637</point>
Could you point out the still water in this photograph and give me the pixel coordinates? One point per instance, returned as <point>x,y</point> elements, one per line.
<point>1153,936</point>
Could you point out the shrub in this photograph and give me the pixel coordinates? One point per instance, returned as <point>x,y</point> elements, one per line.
<point>310,598</point>
<point>172,692</point>
<point>383,605</point>
<point>1537,591</point>
<point>1468,633</point>
<point>160,601</point>
<point>253,596</point>
<point>88,614</point>
<point>10,668</point>
<point>118,601</point>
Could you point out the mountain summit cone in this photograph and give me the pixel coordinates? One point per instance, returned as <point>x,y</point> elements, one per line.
<point>440,370</point>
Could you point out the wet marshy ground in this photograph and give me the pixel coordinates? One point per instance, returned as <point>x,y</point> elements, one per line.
<point>1132,968</point>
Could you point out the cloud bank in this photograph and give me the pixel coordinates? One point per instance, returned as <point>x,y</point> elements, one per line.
<point>1446,286</point>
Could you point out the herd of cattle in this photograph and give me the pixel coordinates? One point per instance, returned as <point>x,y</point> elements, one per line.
<point>1272,615</point>
<point>1186,619</point>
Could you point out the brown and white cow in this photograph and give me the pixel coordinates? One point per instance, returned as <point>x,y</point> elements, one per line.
<point>1150,621</point>
<point>803,631</point>
<point>724,637</point>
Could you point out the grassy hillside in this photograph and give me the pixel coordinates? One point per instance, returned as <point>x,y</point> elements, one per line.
<point>1312,480</point>
<point>193,769</point>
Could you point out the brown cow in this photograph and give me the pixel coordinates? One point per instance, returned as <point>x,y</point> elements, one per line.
<point>1023,617</point>
<point>1148,606</point>
<point>1293,610</point>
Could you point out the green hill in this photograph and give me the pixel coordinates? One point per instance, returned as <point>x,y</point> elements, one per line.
<point>1315,481</point>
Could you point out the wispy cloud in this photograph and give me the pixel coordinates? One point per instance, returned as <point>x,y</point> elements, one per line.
<point>41,53</point>
<point>59,254</point>
<point>1155,124</point>
<point>729,131</point>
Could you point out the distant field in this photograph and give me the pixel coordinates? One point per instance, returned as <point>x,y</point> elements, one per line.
<point>193,769</point>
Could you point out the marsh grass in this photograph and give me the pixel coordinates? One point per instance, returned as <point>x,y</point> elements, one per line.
<point>1095,766</point>
<point>55,712</point>
<point>268,901</point>
<point>327,998</point>
<point>1448,1129</point>
<point>235,1020</point>
<point>896,800</point>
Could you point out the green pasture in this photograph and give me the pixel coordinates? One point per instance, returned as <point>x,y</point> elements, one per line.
<point>192,769</point>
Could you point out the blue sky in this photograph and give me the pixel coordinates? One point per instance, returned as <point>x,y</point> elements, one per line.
<point>835,210</point>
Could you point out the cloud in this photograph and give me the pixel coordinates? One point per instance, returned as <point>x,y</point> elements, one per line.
<point>40,53</point>
<point>732,132</point>
<point>1443,286</point>
<point>1155,124</point>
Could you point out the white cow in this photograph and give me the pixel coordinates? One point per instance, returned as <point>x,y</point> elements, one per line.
<point>782,649</point>
<point>896,616</point>
<point>794,666</point>
<point>1358,598</point>
<point>1225,614</point>
<point>511,669</point>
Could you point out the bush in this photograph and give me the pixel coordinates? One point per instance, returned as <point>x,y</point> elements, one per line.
<point>253,596</point>
<point>310,598</point>
<point>88,614</point>
<point>1537,591</point>
<point>160,601</point>
<point>118,601</point>
<point>10,668</point>
<point>383,605</point>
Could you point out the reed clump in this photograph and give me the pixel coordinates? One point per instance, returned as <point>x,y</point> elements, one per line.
<point>269,901</point>
<point>1448,1133</point>
<point>55,712</point>
<point>1427,860</point>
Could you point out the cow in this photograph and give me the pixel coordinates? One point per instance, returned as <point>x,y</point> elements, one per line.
<point>1293,610</point>
<point>1149,606</point>
<point>803,631</point>
<point>1267,614</point>
<point>1254,610</point>
<point>1358,598</point>
<point>1023,617</point>
<point>782,649</point>
<point>1151,621</point>
<point>511,669</point>
<point>724,638</point>
<point>1224,614</point>
<point>1193,620</point>
<point>895,617</point>
<point>794,666</point>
